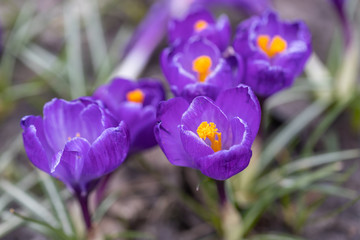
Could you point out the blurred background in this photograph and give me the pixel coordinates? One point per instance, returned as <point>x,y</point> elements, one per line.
<point>307,188</point>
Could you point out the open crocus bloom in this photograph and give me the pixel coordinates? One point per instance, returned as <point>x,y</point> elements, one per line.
<point>203,24</point>
<point>274,52</point>
<point>134,103</point>
<point>213,137</point>
<point>76,142</point>
<point>196,69</point>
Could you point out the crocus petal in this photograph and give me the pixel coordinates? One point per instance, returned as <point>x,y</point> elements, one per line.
<point>92,119</point>
<point>35,144</point>
<point>225,163</point>
<point>241,102</point>
<point>107,153</point>
<point>70,165</point>
<point>191,91</point>
<point>167,131</point>
<point>61,121</point>
<point>194,145</point>
<point>241,133</point>
<point>267,79</point>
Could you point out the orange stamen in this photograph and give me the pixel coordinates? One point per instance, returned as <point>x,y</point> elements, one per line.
<point>136,96</point>
<point>202,66</point>
<point>273,47</point>
<point>206,130</point>
<point>200,25</point>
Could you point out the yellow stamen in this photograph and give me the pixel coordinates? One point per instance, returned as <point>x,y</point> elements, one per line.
<point>136,96</point>
<point>200,25</point>
<point>273,47</point>
<point>206,130</point>
<point>202,66</point>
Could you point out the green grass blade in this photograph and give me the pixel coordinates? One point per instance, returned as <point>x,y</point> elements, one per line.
<point>94,32</point>
<point>27,201</point>
<point>287,133</point>
<point>304,164</point>
<point>45,63</point>
<point>9,225</point>
<point>8,155</point>
<point>27,182</point>
<point>321,159</point>
<point>15,41</point>
<point>57,203</point>
<point>329,118</point>
<point>74,62</point>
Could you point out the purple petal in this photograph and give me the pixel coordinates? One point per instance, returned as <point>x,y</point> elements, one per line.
<point>194,90</point>
<point>35,144</point>
<point>241,102</point>
<point>221,76</point>
<point>107,153</point>
<point>194,145</point>
<point>180,30</point>
<point>225,163</point>
<point>266,79</point>
<point>69,163</point>
<point>167,131</point>
<point>241,133</point>
<point>62,121</point>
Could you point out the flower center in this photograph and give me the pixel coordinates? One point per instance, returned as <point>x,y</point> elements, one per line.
<point>200,25</point>
<point>136,96</point>
<point>77,135</point>
<point>202,65</point>
<point>271,46</point>
<point>206,130</point>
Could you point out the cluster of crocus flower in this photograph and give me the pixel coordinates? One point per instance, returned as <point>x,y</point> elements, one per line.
<point>212,122</point>
<point>268,54</point>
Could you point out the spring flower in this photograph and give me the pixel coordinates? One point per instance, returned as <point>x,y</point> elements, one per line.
<point>213,137</point>
<point>196,69</point>
<point>134,103</point>
<point>274,52</point>
<point>203,24</point>
<point>77,142</point>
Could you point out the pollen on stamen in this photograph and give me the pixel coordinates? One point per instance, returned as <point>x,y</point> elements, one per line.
<point>136,96</point>
<point>200,25</point>
<point>202,65</point>
<point>206,130</point>
<point>271,46</point>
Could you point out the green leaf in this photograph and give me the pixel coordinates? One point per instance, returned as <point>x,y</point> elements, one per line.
<point>57,203</point>
<point>74,62</point>
<point>26,183</point>
<point>53,232</point>
<point>9,225</point>
<point>282,137</point>
<point>29,202</point>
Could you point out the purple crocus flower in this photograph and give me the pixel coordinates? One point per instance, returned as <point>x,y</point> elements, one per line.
<point>134,103</point>
<point>196,69</point>
<point>77,142</point>
<point>201,23</point>
<point>213,137</point>
<point>274,52</point>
